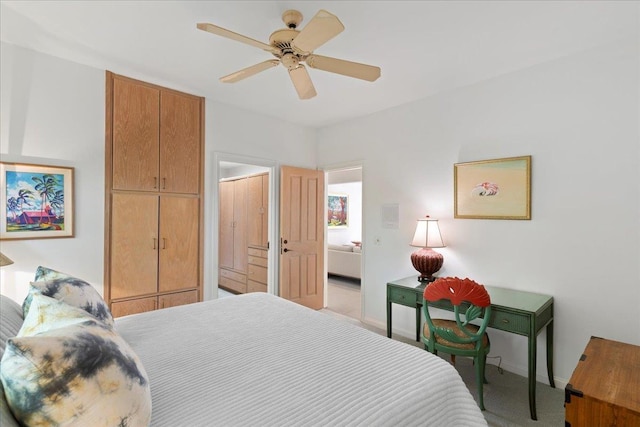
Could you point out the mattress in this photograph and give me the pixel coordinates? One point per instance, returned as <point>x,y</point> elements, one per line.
<point>256,359</point>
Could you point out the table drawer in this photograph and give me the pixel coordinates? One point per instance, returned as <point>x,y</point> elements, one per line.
<point>512,322</point>
<point>405,297</point>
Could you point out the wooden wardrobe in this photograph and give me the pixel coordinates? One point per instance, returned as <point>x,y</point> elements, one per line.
<point>154,196</point>
<point>243,233</point>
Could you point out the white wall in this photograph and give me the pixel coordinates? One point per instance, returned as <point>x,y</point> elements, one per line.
<point>352,233</point>
<point>577,117</point>
<point>53,113</point>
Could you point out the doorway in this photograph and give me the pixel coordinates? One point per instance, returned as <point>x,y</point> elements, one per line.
<point>344,241</point>
<point>228,167</point>
<point>251,266</point>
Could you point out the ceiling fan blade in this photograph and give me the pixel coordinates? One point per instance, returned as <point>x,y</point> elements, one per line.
<point>302,82</point>
<point>323,27</point>
<point>346,68</point>
<point>249,71</point>
<point>219,31</point>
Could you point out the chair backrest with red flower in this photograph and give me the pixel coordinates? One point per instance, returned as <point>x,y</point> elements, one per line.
<point>470,301</point>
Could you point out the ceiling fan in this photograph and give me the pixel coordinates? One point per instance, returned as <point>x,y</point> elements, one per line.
<point>292,47</point>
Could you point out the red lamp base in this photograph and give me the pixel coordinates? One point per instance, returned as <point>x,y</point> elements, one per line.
<point>427,262</point>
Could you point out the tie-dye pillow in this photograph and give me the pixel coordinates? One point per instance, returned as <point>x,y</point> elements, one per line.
<point>70,290</point>
<point>47,313</point>
<point>78,374</point>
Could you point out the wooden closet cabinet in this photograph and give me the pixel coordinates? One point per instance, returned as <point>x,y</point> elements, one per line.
<point>156,139</point>
<point>154,197</point>
<point>243,234</point>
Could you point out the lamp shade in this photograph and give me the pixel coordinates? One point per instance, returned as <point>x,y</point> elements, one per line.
<point>4,260</point>
<point>427,234</point>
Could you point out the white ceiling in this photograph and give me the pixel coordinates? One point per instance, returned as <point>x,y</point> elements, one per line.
<point>423,47</point>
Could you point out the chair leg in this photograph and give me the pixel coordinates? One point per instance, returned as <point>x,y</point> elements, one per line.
<point>484,368</point>
<point>480,363</point>
<point>453,359</point>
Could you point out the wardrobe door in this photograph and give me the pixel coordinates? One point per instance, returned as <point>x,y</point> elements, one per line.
<point>178,244</point>
<point>135,136</point>
<point>134,248</point>
<point>240,225</point>
<point>225,239</point>
<point>264,238</point>
<point>179,143</point>
<point>255,210</point>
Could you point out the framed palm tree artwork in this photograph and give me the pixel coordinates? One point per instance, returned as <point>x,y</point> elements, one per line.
<point>36,201</point>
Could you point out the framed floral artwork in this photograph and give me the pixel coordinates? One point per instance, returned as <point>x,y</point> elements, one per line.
<point>493,189</point>
<point>36,201</point>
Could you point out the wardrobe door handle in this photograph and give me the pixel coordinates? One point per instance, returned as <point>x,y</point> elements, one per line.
<point>155,182</point>
<point>154,243</point>
<point>164,243</point>
<point>164,183</point>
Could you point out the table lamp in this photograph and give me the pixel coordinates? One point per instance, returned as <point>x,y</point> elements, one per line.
<point>426,260</point>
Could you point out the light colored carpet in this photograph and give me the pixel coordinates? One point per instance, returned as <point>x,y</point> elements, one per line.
<point>343,296</point>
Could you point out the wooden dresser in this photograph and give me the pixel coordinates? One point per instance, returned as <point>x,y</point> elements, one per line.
<point>604,389</point>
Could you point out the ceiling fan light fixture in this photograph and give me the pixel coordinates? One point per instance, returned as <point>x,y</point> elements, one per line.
<point>292,18</point>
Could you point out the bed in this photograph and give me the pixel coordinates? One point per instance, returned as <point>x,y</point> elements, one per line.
<point>257,359</point>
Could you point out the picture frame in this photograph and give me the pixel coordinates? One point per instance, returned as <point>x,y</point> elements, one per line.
<point>36,201</point>
<point>493,189</point>
<point>337,211</point>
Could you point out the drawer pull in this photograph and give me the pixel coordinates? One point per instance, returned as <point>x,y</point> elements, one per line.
<point>505,320</point>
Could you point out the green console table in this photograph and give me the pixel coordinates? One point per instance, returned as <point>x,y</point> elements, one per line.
<point>518,312</point>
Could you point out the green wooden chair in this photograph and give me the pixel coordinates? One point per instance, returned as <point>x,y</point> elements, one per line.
<point>459,337</point>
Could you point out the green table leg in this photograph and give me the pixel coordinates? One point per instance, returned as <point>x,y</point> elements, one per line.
<point>418,307</point>
<point>388,318</point>
<point>418,334</point>
<point>532,372</point>
<point>550,354</point>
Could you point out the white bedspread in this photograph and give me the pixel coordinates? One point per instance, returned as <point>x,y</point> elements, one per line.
<point>258,360</point>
